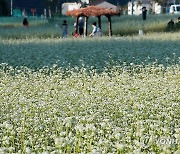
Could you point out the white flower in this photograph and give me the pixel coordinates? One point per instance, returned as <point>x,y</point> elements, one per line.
<point>28,150</point>
<point>119,146</point>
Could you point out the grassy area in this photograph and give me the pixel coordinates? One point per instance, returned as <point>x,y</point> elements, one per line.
<point>99,53</point>
<point>129,25</point>
<point>123,25</point>
<point>14,22</point>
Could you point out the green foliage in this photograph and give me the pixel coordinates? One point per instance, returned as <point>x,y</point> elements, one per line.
<point>161,2</point>
<point>54,4</point>
<point>3,8</point>
<point>165,2</point>
<point>90,1</point>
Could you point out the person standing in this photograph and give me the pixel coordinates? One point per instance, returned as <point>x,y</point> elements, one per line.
<point>25,22</point>
<point>170,25</point>
<point>144,13</point>
<point>81,26</point>
<point>64,28</point>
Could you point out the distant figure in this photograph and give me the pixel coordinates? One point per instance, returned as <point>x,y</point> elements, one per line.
<point>170,25</point>
<point>64,28</point>
<point>96,30</point>
<point>81,26</point>
<point>177,25</point>
<point>25,22</point>
<point>178,19</point>
<point>93,33</point>
<point>144,13</point>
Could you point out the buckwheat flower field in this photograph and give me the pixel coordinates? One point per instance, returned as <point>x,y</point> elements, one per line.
<point>106,95</point>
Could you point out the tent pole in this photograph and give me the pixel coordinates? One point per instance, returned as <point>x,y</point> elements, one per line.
<point>77,23</point>
<point>85,26</point>
<point>99,21</point>
<point>110,25</point>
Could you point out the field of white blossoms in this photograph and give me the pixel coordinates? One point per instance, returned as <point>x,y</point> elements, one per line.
<point>105,95</point>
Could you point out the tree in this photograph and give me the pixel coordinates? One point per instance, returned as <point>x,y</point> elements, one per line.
<point>55,5</point>
<point>115,2</point>
<point>161,2</point>
<point>166,2</point>
<point>52,5</point>
<point>90,1</point>
<point>4,8</point>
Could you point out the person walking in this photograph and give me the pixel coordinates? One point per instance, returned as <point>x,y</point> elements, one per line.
<point>94,31</point>
<point>64,28</point>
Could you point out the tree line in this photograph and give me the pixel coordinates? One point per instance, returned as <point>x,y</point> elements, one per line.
<point>4,9</point>
<point>56,4</point>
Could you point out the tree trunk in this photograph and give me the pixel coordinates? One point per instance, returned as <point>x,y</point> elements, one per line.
<point>77,23</point>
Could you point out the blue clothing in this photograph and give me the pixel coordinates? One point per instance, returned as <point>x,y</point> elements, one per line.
<point>97,31</point>
<point>64,28</point>
<point>81,24</point>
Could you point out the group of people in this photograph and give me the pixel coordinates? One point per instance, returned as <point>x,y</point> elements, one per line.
<point>64,27</point>
<point>95,32</point>
<point>171,26</point>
